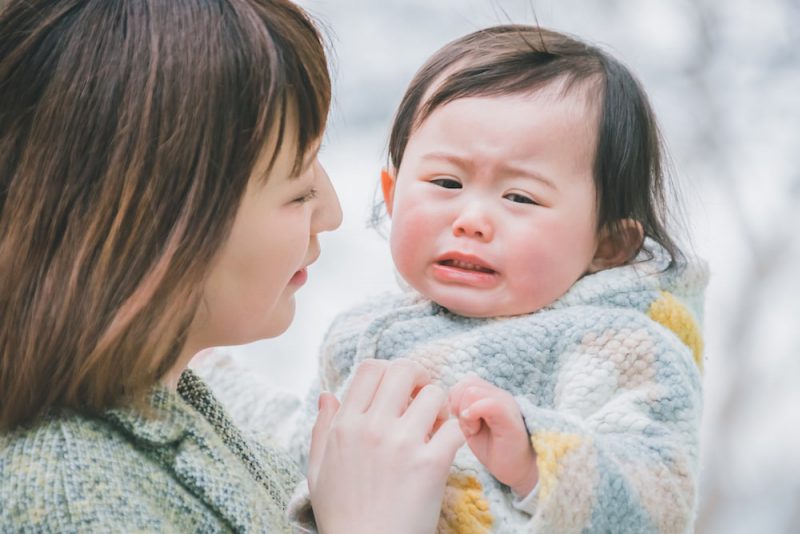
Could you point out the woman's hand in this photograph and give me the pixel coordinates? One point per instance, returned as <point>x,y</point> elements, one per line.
<point>492,423</point>
<point>379,462</point>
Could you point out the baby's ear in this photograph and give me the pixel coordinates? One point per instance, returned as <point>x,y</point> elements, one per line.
<point>387,186</point>
<point>617,249</point>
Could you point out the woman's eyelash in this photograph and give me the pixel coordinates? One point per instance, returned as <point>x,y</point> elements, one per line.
<point>311,195</point>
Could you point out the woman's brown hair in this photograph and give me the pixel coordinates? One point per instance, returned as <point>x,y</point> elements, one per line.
<point>128,132</point>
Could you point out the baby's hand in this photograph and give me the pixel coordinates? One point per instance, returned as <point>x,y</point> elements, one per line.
<point>492,423</point>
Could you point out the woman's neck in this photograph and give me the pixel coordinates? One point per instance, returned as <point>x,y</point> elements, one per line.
<point>170,379</point>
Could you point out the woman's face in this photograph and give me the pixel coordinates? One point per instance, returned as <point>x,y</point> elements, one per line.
<point>249,294</point>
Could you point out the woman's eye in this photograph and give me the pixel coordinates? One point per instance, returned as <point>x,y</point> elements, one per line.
<point>447,183</point>
<point>520,199</point>
<point>310,195</point>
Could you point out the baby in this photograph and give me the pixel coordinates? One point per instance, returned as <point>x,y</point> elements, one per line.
<point>527,204</point>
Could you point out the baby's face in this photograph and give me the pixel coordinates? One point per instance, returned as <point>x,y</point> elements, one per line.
<point>493,208</point>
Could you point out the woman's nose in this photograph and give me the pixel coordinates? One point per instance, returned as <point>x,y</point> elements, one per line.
<point>329,211</point>
<point>473,222</point>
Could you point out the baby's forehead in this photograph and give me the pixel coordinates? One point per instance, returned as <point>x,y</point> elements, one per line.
<point>585,93</point>
<point>490,134</point>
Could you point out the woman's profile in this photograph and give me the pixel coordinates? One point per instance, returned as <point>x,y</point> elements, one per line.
<point>159,194</point>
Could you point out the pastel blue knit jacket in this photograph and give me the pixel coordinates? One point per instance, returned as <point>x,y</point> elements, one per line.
<point>608,379</point>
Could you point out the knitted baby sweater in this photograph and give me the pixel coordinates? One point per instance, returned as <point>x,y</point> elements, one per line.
<point>183,468</point>
<point>608,381</point>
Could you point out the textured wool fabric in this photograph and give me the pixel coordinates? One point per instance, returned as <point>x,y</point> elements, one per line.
<point>259,408</point>
<point>182,468</point>
<point>608,379</point>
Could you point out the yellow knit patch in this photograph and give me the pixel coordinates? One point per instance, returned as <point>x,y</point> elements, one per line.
<point>674,315</point>
<point>464,508</point>
<point>550,447</point>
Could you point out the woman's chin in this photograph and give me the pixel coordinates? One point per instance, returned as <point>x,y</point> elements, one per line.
<point>279,320</point>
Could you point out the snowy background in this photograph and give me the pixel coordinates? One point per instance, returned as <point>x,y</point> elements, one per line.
<point>724,78</point>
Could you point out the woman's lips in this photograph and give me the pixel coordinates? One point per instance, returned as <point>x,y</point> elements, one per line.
<point>299,278</point>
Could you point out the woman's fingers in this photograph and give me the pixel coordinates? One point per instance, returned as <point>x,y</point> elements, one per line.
<point>399,382</point>
<point>328,406</point>
<point>366,380</point>
<point>448,439</point>
<point>397,480</point>
<point>428,407</point>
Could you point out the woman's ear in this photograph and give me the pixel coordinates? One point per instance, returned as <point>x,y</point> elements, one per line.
<point>617,249</point>
<point>387,186</point>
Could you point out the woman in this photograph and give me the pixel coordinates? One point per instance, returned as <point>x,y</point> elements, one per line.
<point>161,194</point>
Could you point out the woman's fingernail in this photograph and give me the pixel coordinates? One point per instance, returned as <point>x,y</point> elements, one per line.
<point>464,413</point>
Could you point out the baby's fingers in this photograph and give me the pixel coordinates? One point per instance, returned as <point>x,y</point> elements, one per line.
<point>469,425</point>
<point>491,410</point>
<point>457,399</point>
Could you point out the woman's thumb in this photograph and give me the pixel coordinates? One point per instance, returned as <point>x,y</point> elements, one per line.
<point>328,406</point>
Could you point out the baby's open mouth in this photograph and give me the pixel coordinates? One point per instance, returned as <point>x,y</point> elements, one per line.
<point>458,264</point>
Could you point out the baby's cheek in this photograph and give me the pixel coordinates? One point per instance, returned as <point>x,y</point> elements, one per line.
<point>538,281</point>
<point>412,238</point>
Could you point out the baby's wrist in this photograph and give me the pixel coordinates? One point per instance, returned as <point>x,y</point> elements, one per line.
<point>528,480</point>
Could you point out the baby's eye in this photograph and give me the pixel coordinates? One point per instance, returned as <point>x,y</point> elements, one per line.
<point>519,198</point>
<point>447,183</point>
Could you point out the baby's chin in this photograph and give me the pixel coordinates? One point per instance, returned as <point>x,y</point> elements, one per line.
<point>478,308</point>
<point>477,302</point>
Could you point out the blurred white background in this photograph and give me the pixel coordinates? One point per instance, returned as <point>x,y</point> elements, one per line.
<point>724,78</point>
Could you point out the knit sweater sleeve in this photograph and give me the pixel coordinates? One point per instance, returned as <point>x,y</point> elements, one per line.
<point>617,446</point>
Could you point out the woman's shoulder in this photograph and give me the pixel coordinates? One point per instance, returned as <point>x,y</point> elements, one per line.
<point>122,472</point>
<point>62,472</point>
<point>54,440</point>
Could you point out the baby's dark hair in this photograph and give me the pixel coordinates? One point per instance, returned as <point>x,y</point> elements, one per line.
<point>511,59</point>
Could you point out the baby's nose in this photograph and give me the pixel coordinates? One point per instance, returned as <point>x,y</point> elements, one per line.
<point>473,222</point>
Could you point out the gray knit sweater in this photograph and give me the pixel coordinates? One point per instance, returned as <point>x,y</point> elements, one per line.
<point>608,381</point>
<point>184,468</point>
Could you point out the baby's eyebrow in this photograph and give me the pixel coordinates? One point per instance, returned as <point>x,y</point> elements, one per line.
<point>448,157</point>
<point>514,170</point>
